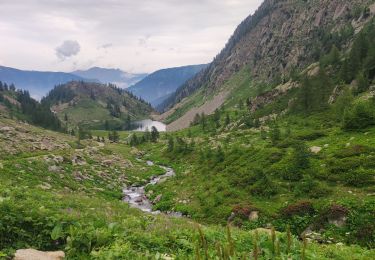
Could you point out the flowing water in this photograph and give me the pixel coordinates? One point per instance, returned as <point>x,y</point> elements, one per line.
<point>136,195</point>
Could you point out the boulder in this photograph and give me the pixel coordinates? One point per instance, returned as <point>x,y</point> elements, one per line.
<point>5,129</point>
<point>54,168</point>
<point>315,149</point>
<point>78,160</point>
<point>254,215</point>
<point>32,254</point>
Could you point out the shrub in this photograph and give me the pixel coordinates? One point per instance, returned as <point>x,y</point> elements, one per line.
<point>310,188</point>
<point>264,188</point>
<point>358,117</point>
<point>243,211</point>
<point>353,150</point>
<point>299,208</point>
<point>359,177</point>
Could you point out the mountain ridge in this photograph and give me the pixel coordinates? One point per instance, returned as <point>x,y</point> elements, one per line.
<point>114,76</point>
<point>38,83</point>
<point>292,32</point>
<point>160,84</point>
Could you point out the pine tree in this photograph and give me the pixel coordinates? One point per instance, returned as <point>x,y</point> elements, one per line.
<point>147,135</point>
<point>154,134</point>
<point>170,144</point>
<point>362,82</point>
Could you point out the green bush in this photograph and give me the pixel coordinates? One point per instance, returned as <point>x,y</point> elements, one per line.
<point>359,177</point>
<point>308,187</point>
<point>359,116</point>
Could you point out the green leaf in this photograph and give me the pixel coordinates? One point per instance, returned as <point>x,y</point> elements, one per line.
<point>56,232</point>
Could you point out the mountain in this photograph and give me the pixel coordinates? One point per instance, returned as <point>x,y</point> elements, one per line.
<point>157,86</point>
<point>280,38</point>
<point>96,105</point>
<point>38,83</point>
<point>18,104</point>
<point>115,76</point>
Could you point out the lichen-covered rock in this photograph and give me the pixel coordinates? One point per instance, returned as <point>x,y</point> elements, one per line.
<point>32,254</point>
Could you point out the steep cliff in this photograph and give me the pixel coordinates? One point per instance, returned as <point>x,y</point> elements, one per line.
<point>280,37</point>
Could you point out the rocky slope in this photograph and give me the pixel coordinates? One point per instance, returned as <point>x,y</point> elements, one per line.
<point>159,85</point>
<point>280,37</point>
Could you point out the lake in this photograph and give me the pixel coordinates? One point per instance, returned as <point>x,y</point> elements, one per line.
<point>142,125</point>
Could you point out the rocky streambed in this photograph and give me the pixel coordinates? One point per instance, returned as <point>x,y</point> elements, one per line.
<point>136,195</point>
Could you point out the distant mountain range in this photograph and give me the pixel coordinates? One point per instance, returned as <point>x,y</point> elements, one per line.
<point>38,83</point>
<point>158,86</point>
<point>115,76</point>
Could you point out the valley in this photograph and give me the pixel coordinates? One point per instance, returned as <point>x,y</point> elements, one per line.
<point>267,152</point>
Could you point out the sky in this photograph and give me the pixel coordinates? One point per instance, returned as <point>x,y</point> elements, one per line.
<point>137,36</point>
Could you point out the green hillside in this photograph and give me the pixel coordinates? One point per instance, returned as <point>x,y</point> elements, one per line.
<point>56,197</point>
<point>94,105</point>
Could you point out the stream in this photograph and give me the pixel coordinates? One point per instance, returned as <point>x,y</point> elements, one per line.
<point>136,195</point>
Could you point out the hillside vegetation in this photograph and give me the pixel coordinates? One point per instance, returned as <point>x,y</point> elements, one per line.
<point>55,196</point>
<point>93,105</point>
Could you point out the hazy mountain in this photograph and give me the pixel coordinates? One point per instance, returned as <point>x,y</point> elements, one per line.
<point>38,83</point>
<point>157,86</point>
<point>115,76</point>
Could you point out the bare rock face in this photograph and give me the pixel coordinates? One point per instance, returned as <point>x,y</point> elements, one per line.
<point>32,254</point>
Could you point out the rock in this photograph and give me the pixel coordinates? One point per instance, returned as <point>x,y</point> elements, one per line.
<point>231,217</point>
<point>157,199</point>
<point>78,160</point>
<point>108,162</point>
<point>5,129</point>
<point>254,215</point>
<point>45,186</point>
<point>32,254</point>
<point>315,149</point>
<point>338,222</point>
<point>150,163</point>
<point>138,200</point>
<point>313,236</point>
<point>54,168</point>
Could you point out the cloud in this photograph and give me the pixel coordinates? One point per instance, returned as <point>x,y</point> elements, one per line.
<point>142,36</point>
<point>105,46</point>
<point>67,49</point>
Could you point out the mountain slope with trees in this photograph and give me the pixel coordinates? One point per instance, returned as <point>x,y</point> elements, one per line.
<point>18,104</point>
<point>95,105</point>
<point>282,37</point>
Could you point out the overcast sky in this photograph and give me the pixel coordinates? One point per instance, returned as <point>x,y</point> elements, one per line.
<point>133,35</point>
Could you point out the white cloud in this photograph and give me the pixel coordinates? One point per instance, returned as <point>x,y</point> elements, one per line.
<point>136,36</point>
<point>67,49</point>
